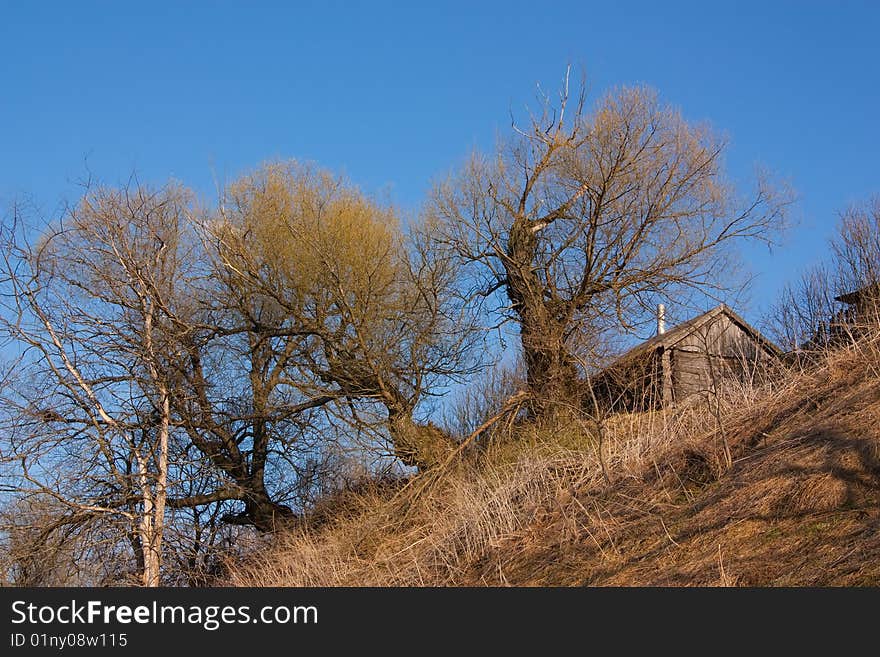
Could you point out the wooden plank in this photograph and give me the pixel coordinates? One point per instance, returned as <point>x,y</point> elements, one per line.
<point>666,369</point>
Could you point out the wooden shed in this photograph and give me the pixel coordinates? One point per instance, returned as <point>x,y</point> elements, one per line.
<point>861,311</point>
<point>857,315</point>
<point>862,301</point>
<point>697,356</point>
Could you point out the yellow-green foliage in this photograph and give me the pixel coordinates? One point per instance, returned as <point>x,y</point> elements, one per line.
<point>315,229</point>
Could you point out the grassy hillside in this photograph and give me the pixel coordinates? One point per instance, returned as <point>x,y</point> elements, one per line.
<point>797,503</point>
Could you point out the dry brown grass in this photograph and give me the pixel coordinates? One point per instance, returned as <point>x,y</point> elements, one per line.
<point>799,505</point>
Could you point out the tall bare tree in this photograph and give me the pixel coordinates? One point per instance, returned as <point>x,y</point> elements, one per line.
<point>88,306</point>
<point>585,216</point>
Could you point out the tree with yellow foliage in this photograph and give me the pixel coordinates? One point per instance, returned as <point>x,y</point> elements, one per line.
<point>368,308</point>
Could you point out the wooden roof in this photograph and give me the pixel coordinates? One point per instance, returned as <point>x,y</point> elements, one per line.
<point>673,336</point>
<point>871,290</point>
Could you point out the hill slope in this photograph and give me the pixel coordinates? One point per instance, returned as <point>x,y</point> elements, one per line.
<point>797,503</point>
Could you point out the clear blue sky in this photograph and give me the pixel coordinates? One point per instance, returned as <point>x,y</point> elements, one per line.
<point>395,94</point>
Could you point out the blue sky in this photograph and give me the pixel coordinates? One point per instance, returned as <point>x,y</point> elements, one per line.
<point>396,94</point>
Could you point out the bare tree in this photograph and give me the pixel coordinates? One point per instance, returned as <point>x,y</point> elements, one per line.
<point>88,307</point>
<point>838,299</point>
<point>145,384</point>
<point>856,247</point>
<point>584,217</point>
<point>800,317</point>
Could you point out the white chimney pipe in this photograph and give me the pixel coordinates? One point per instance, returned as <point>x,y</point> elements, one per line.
<point>661,319</point>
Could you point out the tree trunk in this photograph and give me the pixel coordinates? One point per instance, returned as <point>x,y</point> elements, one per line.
<point>161,494</point>
<point>154,485</point>
<point>154,495</point>
<point>147,527</point>
<point>418,445</point>
<point>264,514</point>
<point>550,370</point>
<point>551,374</point>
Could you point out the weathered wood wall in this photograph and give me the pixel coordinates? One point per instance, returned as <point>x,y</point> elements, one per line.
<point>715,355</point>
